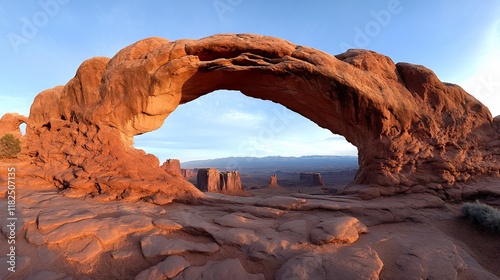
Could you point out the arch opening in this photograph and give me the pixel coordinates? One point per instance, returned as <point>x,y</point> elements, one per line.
<point>231,131</point>
<point>22,128</point>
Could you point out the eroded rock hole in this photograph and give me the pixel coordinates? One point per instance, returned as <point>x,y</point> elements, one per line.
<point>22,128</point>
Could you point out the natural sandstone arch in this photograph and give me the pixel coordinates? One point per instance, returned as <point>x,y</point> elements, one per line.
<point>11,123</point>
<point>410,129</point>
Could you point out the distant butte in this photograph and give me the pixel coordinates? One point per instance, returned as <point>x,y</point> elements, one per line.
<point>413,132</point>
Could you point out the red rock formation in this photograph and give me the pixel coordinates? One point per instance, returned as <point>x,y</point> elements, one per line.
<point>230,181</point>
<point>411,130</point>
<point>315,179</point>
<point>172,166</point>
<point>211,180</point>
<point>10,122</point>
<point>208,179</point>
<point>188,173</point>
<point>273,182</point>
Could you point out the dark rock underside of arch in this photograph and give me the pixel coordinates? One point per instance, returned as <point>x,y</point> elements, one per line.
<point>413,132</point>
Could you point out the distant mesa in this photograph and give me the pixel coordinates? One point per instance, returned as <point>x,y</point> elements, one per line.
<point>212,180</point>
<point>314,178</point>
<point>208,179</point>
<point>188,173</point>
<point>413,132</point>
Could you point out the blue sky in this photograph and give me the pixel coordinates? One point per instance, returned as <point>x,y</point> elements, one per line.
<point>43,42</point>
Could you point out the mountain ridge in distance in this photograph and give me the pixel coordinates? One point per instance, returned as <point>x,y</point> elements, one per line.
<point>303,163</point>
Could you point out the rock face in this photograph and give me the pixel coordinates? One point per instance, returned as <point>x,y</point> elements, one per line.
<point>188,173</point>
<point>317,180</point>
<point>409,127</point>
<point>230,181</point>
<point>211,180</point>
<point>314,178</point>
<point>172,166</point>
<point>208,179</point>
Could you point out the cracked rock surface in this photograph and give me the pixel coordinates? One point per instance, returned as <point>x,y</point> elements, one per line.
<point>415,236</point>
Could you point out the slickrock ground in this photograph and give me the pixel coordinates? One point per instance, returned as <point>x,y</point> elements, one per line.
<point>296,236</point>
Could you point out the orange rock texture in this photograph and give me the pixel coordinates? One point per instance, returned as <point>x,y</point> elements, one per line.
<point>173,166</point>
<point>9,124</point>
<point>212,180</point>
<point>412,131</point>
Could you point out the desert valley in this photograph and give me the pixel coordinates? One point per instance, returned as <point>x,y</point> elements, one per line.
<point>79,201</point>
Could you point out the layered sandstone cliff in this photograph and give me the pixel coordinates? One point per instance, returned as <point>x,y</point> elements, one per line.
<point>212,180</point>
<point>314,178</point>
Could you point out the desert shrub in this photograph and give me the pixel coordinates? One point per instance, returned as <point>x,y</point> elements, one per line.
<point>10,146</point>
<point>483,215</point>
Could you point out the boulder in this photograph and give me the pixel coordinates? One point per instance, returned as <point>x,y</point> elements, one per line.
<point>344,230</point>
<point>348,263</point>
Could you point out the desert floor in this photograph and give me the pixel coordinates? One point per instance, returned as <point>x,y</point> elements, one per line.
<point>270,234</point>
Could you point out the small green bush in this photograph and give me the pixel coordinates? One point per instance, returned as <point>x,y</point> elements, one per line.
<point>483,215</point>
<point>10,146</point>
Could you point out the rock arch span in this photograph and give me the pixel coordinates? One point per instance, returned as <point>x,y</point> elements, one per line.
<point>413,132</point>
<point>11,123</point>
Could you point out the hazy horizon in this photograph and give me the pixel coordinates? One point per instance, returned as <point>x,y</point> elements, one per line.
<point>272,157</point>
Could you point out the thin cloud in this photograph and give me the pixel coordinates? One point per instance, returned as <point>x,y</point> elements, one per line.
<point>235,117</point>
